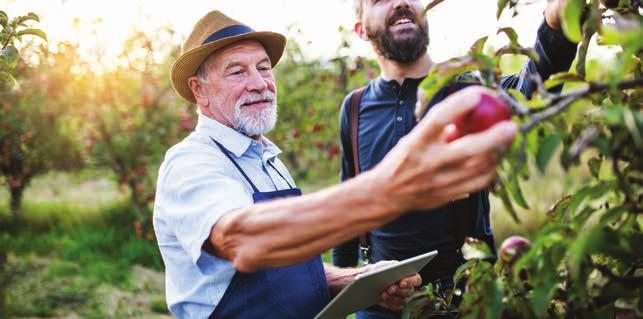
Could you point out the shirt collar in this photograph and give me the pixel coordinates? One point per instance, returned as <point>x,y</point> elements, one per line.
<point>235,142</point>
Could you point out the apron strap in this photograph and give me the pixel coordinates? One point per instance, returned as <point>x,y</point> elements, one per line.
<point>225,151</point>
<point>276,170</point>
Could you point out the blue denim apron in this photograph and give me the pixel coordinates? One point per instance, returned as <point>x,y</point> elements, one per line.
<point>298,291</point>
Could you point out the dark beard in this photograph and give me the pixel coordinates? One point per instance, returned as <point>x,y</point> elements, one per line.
<point>403,51</point>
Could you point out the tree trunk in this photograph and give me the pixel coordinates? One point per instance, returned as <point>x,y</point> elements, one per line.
<point>16,200</point>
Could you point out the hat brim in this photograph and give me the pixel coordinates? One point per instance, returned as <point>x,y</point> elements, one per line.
<point>189,62</point>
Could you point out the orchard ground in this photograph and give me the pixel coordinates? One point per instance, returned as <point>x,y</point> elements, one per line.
<point>76,254</point>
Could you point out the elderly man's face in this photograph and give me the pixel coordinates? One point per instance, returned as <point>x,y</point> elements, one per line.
<point>240,88</point>
<point>397,28</point>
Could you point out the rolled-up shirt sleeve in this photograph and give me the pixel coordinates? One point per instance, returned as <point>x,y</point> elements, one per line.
<point>192,196</point>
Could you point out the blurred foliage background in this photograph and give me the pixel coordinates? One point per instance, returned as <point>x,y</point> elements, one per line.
<point>80,149</point>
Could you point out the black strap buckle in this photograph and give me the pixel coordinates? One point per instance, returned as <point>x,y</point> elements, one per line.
<point>365,254</point>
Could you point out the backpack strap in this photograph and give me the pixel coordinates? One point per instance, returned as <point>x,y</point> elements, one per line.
<point>353,116</point>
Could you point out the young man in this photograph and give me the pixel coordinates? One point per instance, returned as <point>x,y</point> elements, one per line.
<point>398,33</point>
<point>238,239</point>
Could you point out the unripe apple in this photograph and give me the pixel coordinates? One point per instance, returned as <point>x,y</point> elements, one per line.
<point>489,111</point>
<point>512,248</point>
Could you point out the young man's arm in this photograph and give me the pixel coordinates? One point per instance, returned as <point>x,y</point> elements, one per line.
<point>421,172</point>
<point>555,51</point>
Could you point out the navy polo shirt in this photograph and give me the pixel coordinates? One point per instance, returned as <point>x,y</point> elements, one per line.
<point>386,114</point>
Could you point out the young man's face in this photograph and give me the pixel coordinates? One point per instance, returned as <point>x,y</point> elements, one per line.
<point>397,28</point>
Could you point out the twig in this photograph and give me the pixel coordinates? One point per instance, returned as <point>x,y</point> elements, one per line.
<point>588,135</point>
<point>551,111</point>
<point>560,103</point>
<point>431,5</point>
<point>516,106</point>
<point>540,86</point>
<point>8,39</point>
<point>636,208</point>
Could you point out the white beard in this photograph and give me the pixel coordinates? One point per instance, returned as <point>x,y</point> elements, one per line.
<point>253,123</point>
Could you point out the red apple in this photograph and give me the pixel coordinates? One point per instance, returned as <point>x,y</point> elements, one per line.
<point>512,248</point>
<point>489,111</point>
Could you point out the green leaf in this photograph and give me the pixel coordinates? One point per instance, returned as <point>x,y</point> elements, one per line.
<point>10,55</point>
<point>501,191</point>
<point>501,7</point>
<point>625,32</point>
<point>461,272</point>
<point>4,18</point>
<point>561,78</point>
<point>630,122</point>
<point>8,78</point>
<point>594,165</point>
<point>494,294</point>
<point>516,192</point>
<point>546,150</point>
<point>441,74</point>
<point>529,52</point>
<point>21,19</point>
<point>478,46</point>
<point>511,34</point>
<point>571,19</point>
<point>612,214</point>
<point>36,32</point>
<point>592,191</point>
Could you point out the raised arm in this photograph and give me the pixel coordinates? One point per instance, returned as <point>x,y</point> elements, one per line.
<point>421,172</point>
<point>555,51</point>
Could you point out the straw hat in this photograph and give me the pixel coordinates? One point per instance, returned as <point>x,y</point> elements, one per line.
<point>212,32</point>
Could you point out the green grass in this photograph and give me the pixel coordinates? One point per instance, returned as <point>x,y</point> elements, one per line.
<point>73,250</point>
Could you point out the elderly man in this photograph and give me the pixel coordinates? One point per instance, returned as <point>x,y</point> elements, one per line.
<point>237,237</point>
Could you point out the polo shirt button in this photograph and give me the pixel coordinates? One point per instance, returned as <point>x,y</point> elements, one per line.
<point>399,119</point>
<point>400,102</point>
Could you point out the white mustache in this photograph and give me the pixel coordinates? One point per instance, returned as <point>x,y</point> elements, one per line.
<point>251,98</point>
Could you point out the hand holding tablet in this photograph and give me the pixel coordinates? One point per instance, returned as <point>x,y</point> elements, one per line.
<point>365,290</point>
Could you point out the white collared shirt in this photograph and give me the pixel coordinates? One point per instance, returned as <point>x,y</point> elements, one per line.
<point>196,185</point>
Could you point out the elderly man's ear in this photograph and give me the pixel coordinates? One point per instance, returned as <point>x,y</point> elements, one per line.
<point>198,90</point>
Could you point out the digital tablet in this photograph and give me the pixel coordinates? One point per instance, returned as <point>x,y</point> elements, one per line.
<point>365,290</point>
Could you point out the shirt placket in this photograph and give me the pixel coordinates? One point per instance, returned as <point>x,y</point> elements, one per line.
<point>401,114</point>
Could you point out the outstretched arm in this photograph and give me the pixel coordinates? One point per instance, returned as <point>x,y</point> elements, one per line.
<point>421,172</point>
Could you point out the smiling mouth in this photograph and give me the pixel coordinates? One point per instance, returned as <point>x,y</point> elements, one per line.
<point>402,21</point>
<point>257,102</point>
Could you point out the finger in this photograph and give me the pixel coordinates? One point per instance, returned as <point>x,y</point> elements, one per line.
<point>478,163</point>
<point>500,135</point>
<point>391,290</point>
<point>449,109</point>
<point>396,301</point>
<point>458,172</point>
<point>391,307</point>
<point>396,306</point>
<point>405,293</point>
<point>410,281</point>
<point>470,185</point>
<point>450,133</point>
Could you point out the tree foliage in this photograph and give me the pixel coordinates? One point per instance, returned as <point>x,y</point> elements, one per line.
<point>586,261</point>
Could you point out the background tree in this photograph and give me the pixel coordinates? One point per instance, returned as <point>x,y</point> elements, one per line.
<point>133,117</point>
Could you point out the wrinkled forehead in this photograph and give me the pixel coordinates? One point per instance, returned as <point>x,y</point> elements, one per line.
<point>246,50</point>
